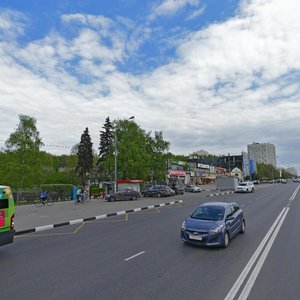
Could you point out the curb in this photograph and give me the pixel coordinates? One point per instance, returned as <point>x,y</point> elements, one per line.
<point>79,221</point>
<point>218,194</point>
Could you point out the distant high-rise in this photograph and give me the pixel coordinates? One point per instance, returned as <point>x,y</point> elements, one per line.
<point>263,153</point>
<point>292,170</point>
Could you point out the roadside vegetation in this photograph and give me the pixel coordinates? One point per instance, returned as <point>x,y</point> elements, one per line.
<point>140,155</point>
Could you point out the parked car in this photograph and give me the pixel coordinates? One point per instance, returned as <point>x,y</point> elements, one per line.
<point>124,194</point>
<point>296,180</point>
<point>179,190</point>
<point>245,187</point>
<point>283,181</point>
<point>213,224</point>
<point>158,191</point>
<point>193,189</point>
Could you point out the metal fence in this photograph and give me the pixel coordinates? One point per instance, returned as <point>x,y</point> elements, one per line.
<point>30,196</point>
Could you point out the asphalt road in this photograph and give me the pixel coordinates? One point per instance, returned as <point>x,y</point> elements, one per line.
<point>140,255</point>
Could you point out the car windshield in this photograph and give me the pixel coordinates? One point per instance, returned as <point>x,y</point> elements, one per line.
<point>211,213</point>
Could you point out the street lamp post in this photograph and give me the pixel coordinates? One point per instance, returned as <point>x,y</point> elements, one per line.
<point>116,169</point>
<point>116,154</point>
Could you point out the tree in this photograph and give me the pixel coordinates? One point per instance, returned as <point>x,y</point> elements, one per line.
<point>158,149</point>
<point>26,137</point>
<point>106,142</point>
<point>85,156</point>
<point>24,145</point>
<point>106,139</point>
<point>132,152</point>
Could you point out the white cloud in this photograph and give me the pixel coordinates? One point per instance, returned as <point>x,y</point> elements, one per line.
<point>196,13</point>
<point>12,23</point>
<point>172,6</point>
<point>238,76</point>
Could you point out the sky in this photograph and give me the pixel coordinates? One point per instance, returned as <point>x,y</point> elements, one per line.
<point>210,74</point>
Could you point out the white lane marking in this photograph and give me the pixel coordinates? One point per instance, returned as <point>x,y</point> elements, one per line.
<point>133,256</point>
<point>246,291</point>
<point>235,288</point>
<point>294,194</point>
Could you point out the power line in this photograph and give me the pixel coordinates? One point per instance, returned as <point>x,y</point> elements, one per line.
<point>52,146</point>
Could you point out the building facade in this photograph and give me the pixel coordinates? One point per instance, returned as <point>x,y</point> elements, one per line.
<point>292,170</point>
<point>263,153</point>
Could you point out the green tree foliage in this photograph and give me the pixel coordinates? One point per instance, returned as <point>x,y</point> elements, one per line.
<point>266,171</point>
<point>104,166</point>
<point>23,146</point>
<point>132,151</point>
<point>26,137</point>
<point>139,156</point>
<point>85,156</point>
<point>106,139</point>
<point>158,149</point>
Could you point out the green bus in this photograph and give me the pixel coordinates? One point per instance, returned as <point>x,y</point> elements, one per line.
<point>7,215</point>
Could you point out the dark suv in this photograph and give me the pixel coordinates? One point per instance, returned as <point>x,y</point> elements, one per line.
<point>158,191</point>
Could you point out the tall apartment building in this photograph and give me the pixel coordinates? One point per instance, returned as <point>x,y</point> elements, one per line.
<point>292,170</point>
<point>263,153</point>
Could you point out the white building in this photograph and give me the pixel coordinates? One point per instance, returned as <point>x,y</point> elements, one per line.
<point>292,171</point>
<point>263,153</point>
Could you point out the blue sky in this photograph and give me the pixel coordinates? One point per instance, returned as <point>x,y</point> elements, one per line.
<point>214,75</point>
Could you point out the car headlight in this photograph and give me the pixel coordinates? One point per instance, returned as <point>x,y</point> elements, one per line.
<point>183,226</point>
<point>217,229</point>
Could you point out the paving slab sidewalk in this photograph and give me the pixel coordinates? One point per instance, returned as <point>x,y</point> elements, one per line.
<point>30,216</point>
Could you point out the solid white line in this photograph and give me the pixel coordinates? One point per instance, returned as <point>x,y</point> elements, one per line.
<point>241,278</point>
<point>253,276</point>
<point>133,256</point>
<point>294,194</point>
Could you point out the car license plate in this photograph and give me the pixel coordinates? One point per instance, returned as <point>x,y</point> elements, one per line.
<point>195,237</point>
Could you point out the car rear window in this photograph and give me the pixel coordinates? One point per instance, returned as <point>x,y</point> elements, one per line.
<point>3,203</point>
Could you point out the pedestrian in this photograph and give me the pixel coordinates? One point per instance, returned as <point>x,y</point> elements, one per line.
<point>78,193</point>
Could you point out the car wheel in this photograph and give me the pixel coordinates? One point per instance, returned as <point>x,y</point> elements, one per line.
<point>226,240</point>
<point>243,227</point>
<point>112,199</point>
<point>134,197</point>
<point>158,195</point>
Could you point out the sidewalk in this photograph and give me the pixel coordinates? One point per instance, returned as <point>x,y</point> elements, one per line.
<point>30,216</point>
